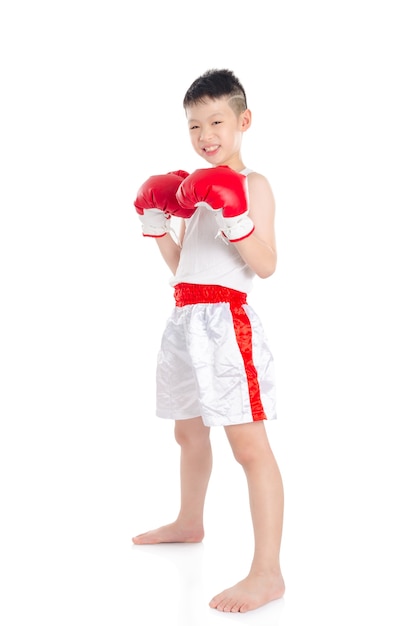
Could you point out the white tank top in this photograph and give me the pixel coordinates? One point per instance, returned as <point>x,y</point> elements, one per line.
<point>207,260</point>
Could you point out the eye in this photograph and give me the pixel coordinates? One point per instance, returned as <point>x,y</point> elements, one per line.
<point>217,122</point>
<point>194,127</point>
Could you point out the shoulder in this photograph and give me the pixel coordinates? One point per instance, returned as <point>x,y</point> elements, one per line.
<point>260,190</point>
<point>261,207</point>
<point>255,178</point>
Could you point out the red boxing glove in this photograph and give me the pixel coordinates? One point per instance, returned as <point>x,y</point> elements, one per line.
<point>156,202</point>
<point>222,190</point>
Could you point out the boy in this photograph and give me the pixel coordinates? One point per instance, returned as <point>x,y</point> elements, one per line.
<point>214,366</point>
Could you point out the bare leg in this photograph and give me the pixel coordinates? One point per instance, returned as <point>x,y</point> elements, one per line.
<point>195,470</point>
<point>264,582</point>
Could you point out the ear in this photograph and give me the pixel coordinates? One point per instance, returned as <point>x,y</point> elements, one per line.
<point>245,120</point>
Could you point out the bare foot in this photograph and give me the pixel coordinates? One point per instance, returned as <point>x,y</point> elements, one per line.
<point>171,533</point>
<point>250,593</point>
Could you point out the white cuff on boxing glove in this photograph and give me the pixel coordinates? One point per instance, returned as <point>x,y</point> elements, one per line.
<point>155,223</point>
<point>235,228</point>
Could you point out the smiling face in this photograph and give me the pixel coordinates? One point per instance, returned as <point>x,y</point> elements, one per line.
<point>216,131</point>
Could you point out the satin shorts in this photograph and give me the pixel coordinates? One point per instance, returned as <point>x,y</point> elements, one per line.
<point>214,360</point>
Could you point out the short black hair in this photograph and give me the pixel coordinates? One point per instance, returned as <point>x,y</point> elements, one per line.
<point>215,84</point>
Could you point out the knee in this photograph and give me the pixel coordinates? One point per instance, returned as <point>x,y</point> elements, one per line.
<point>245,454</point>
<point>188,435</point>
<point>182,437</point>
<point>250,450</point>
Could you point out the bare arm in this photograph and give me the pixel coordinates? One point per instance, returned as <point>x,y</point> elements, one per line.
<point>259,249</point>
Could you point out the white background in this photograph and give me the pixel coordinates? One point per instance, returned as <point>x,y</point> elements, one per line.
<point>91,105</point>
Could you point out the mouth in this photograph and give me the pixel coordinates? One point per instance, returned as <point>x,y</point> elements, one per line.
<point>211,149</point>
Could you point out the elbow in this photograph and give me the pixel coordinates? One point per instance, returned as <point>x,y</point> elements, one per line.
<point>267,270</point>
<point>262,260</point>
<point>266,273</point>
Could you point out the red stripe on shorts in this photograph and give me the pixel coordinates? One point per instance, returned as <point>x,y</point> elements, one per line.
<point>186,293</point>
<point>243,332</point>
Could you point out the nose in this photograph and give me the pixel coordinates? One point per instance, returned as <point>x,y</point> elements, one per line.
<point>205,133</point>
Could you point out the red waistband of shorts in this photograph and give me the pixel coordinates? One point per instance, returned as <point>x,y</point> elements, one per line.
<point>187,293</point>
